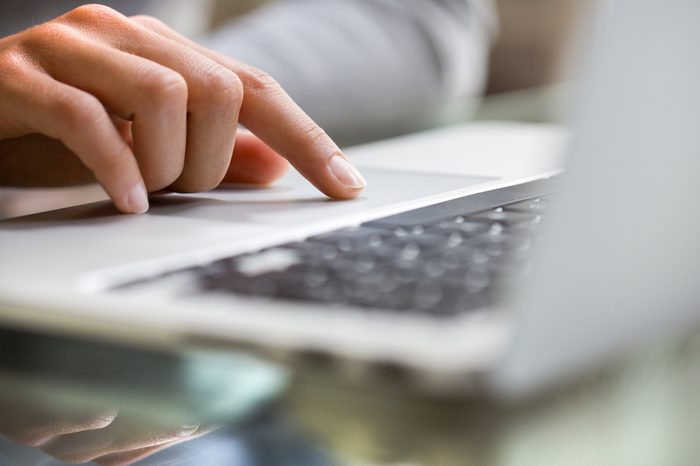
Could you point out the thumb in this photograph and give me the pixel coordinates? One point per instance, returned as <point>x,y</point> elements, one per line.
<point>254,162</point>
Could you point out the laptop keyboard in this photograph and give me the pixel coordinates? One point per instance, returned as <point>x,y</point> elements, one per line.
<point>441,260</point>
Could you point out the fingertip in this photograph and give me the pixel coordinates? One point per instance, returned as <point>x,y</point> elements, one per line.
<point>337,178</point>
<point>136,200</point>
<point>347,194</point>
<point>346,174</point>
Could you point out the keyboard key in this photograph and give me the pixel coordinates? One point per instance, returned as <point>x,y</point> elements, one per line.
<point>465,228</point>
<point>352,238</point>
<point>507,217</point>
<point>420,242</point>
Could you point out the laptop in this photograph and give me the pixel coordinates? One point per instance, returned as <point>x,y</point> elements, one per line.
<point>450,282</point>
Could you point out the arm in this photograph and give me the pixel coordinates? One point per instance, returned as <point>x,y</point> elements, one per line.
<point>368,68</point>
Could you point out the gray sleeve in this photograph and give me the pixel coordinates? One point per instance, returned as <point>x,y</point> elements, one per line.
<point>369,68</point>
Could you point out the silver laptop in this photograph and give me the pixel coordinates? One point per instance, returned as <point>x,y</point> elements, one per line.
<point>503,283</point>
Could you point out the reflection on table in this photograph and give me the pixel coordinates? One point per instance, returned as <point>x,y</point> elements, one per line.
<point>69,400</point>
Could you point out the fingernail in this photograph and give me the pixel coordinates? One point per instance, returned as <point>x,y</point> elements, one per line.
<point>186,431</point>
<point>346,173</point>
<point>137,199</point>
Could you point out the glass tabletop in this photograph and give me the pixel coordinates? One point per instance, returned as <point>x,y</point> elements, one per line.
<point>66,401</point>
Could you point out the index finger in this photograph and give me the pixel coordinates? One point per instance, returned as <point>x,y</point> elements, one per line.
<point>276,119</point>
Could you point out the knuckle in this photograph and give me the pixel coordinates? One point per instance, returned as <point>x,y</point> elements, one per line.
<point>163,86</point>
<point>91,13</point>
<point>78,112</point>
<point>219,90</point>
<point>313,133</point>
<point>47,35</point>
<point>149,22</point>
<point>223,82</point>
<point>12,62</point>
<point>258,80</point>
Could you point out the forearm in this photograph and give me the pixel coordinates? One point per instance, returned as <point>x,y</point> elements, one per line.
<point>367,68</point>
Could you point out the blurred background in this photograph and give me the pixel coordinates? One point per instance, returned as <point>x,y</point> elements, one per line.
<point>532,39</point>
<point>528,65</point>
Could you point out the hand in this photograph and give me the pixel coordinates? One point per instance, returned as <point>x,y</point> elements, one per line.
<point>101,436</point>
<point>141,108</point>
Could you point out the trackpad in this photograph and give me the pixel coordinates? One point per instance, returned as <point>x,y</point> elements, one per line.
<point>293,201</point>
<point>180,227</point>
